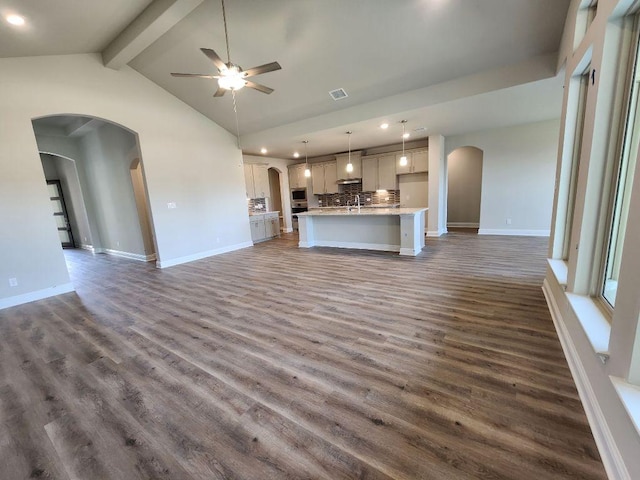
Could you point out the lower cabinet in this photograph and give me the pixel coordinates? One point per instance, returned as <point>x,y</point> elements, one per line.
<point>264,227</point>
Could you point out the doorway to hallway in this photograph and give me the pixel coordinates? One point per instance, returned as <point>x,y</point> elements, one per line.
<point>60,213</point>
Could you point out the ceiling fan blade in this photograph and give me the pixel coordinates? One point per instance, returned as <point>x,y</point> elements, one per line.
<point>267,67</point>
<point>197,75</point>
<point>257,86</point>
<point>213,56</point>
<point>219,92</point>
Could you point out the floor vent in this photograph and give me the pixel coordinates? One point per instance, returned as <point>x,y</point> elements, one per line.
<point>338,94</point>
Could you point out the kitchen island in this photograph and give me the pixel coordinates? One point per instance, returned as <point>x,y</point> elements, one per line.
<point>389,229</point>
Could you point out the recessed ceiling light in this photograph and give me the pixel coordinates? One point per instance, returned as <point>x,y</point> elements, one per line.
<point>15,19</point>
<point>296,154</point>
<point>384,126</point>
<point>263,150</point>
<point>406,135</point>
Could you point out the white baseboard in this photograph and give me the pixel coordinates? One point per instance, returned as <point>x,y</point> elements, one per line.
<point>436,233</point>
<point>519,233</point>
<point>199,256</point>
<point>609,452</point>
<point>37,295</point>
<point>353,245</point>
<point>132,256</point>
<point>287,230</point>
<point>86,247</point>
<point>463,225</point>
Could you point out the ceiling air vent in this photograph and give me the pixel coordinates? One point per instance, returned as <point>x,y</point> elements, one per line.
<point>338,94</point>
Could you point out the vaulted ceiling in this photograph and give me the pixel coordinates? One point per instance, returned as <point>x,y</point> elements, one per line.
<point>446,66</point>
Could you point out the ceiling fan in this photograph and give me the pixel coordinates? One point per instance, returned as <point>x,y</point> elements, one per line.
<point>231,76</point>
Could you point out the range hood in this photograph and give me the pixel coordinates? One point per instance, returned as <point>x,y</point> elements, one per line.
<point>348,181</point>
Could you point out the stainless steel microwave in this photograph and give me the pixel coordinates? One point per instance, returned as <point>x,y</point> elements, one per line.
<point>298,194</point>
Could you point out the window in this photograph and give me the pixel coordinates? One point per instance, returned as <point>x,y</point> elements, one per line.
<point>623,180</point>
<point>575,160</point>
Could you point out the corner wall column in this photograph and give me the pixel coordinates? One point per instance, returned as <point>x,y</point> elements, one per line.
<point>437,213</point>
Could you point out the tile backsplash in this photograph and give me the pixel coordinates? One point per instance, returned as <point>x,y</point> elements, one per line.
<point>257,205</point>
<point>348,194</point>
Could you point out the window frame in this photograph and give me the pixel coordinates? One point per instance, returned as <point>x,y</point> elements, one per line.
<point>631,104</point>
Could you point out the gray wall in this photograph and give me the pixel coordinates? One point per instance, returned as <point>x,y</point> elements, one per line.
<point>464,187</point>
<point>108,153</point>
<point>518,176</point>
<point>188,160</point>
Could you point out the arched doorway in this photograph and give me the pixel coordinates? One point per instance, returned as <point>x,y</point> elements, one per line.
<point>109,173</point>
<point>464,189</point>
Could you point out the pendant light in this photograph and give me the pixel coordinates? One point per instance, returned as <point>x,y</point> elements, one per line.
<point>349,165</point>
<point>307,172</point>
<point>403,158</point>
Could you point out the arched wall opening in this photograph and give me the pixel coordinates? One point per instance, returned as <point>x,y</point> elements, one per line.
<point>464,188</point>
<point>110,181</point>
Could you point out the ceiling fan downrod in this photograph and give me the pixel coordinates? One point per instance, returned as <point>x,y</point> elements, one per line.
<point>226,34</point>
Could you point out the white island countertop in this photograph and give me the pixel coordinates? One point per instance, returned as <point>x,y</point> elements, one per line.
<point>256,214</point>
<point>362,211</point>
<point>390,229</point>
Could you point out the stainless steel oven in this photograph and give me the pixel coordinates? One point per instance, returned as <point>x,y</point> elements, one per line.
<point>297,207</point>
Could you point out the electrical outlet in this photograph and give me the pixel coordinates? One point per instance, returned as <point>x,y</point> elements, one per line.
<point>117,244</point>
<point>13,282</point>
<point>508,221</point>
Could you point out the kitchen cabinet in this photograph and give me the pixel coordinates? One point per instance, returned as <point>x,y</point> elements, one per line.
<point>264,226</point>
<point>272,225</point>
<point>296,176</point>
<point>256,180</point>
<point>258,230</point>
<point>343,160</point>
<point>379,173</point>
<point>417,162</point>
<point>324,177</point>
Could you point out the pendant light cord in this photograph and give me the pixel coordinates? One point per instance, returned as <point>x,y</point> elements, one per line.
<point>235,111</point>
<point>403,139</point>
<point>226,35</point>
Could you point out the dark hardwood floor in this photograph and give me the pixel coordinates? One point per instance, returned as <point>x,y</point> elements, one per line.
<point>275,362</point>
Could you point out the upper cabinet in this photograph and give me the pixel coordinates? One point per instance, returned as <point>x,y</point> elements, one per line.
<point>379,173</point>
<point>343,160</point>
<point>417,162</point>
<point>296,176</point>
<point>256,180</point>
<point>324,177</point>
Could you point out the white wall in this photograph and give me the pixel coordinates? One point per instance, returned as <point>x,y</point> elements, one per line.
<point>282,166</point>
<point>518,176</point>
<point>464,188</point>
<point>188,160</point>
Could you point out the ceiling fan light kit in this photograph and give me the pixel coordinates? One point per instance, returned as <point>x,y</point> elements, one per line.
<point>231,76</point>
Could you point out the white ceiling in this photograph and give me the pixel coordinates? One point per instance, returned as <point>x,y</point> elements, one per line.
<point>452,66</point>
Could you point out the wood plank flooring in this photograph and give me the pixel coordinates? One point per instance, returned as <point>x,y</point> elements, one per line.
<point>275,362</point>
